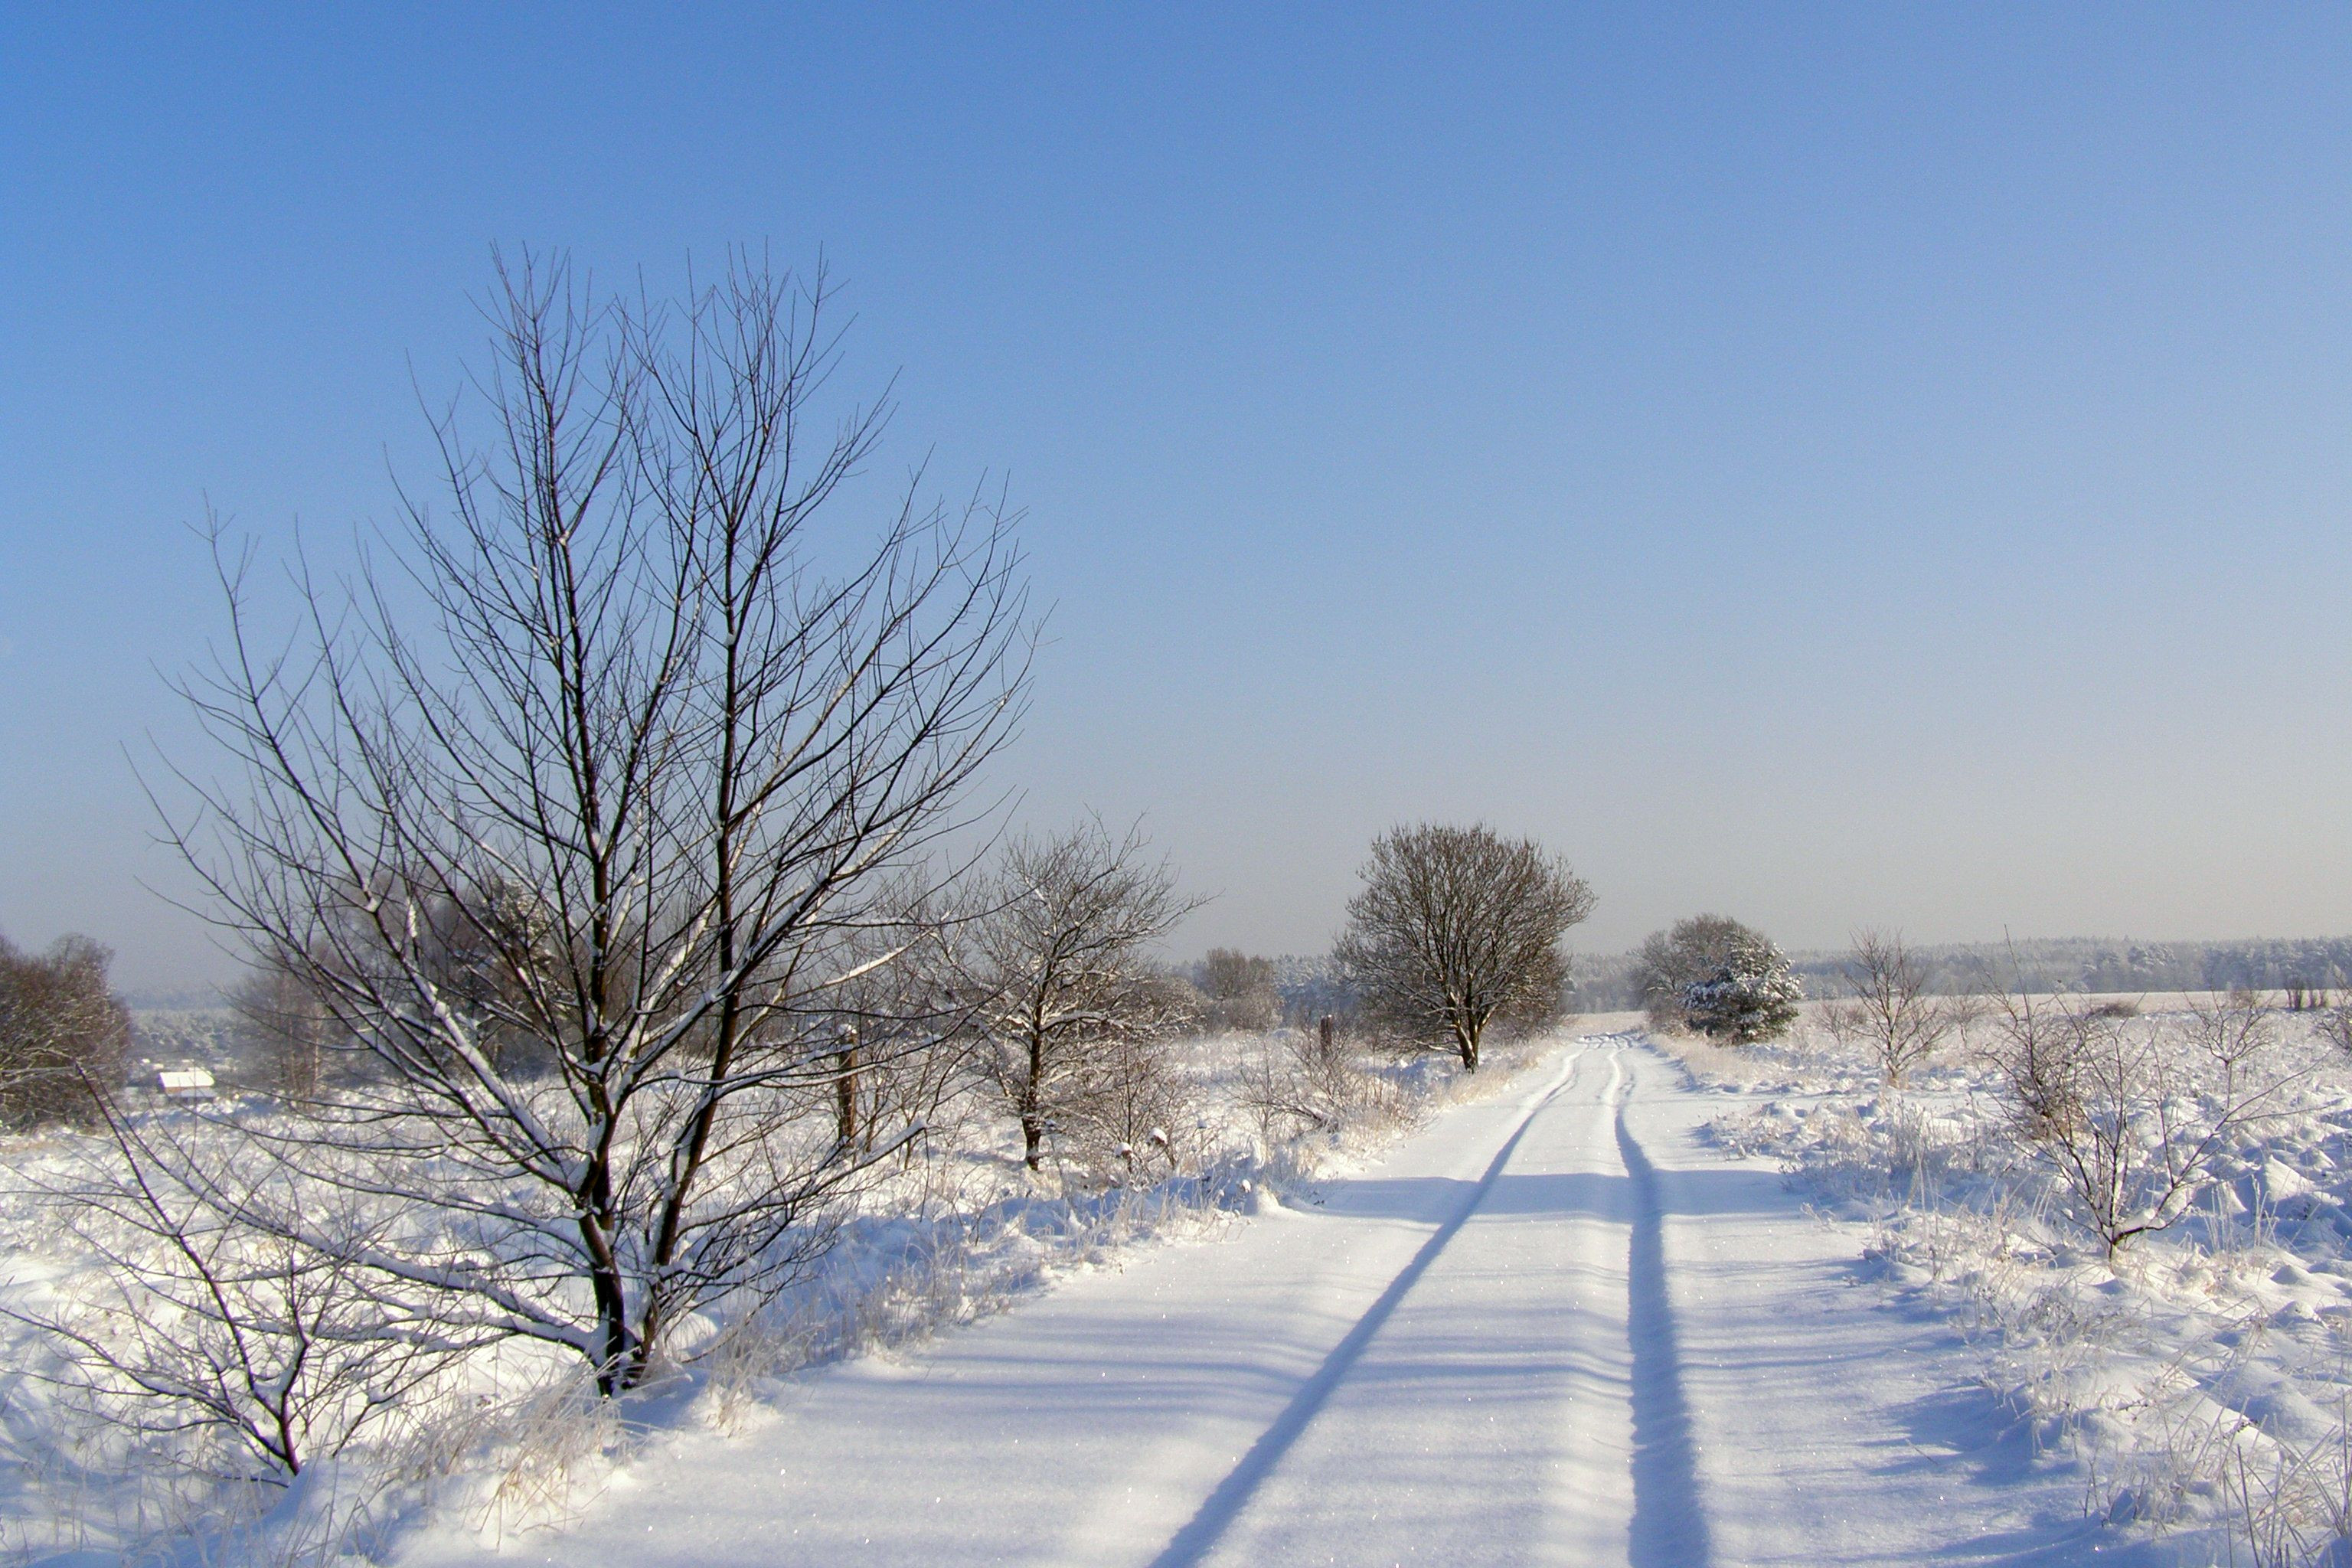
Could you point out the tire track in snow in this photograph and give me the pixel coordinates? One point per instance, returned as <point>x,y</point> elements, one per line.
<point>1200,1534</point>
<point>1669,1527</point>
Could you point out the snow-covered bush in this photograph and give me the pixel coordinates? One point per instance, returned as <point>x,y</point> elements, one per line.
<point>1310,1081</point>
<point>1730,970</point>
<point>220,1364</point>
<point>2130,1122</point>
<point>2196,1379</point>
<point>1750,995</point>
<point>1130,1119</point>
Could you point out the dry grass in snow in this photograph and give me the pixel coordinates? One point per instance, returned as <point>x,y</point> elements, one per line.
<point>2201,1378</point>
<point>512,1437</point>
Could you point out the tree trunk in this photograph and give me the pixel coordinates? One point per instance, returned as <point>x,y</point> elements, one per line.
<point>615,1368</point>
<point>845,1093</point>
<point>1033,1108</point>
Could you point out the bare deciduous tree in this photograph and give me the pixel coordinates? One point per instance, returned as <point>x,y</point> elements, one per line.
<point>285,1021</point>
<point>1891,1010</point>
<point>1458,927</point>
<point>578,816</point>
<point>1058,954</point>
<point>63,1032</point>
<point>1240,990</point>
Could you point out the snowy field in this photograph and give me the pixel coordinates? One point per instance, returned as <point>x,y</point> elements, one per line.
<point>2196,1387</point>
<point>520,1444</point>
<point>1557,1326</point>
<point>1614,1299</point>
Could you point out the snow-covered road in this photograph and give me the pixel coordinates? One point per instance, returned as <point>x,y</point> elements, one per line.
<point>1553,1327</point>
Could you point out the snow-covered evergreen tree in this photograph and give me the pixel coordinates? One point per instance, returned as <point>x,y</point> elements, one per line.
<point>1750,995</point>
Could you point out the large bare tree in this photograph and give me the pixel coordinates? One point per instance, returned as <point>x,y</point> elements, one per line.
<point>1458,927</point>
<point>585,802</point>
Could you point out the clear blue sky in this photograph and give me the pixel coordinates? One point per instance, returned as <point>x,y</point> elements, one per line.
<point>1834,465</point>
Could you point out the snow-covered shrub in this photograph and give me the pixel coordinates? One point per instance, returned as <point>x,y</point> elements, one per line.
<point>1751,995</point>
<point>2233,1032</point>
<point>1130,1119</point>
<point>1891,1011</point>
<point>2130,1124</point>
<point>2196,1383</point>
<point>1743,989</point>
<point>1311,1080</point>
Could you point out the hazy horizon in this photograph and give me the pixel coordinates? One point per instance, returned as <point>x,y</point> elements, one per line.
<point>1838,468</point>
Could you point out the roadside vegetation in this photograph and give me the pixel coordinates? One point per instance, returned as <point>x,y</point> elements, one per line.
<point>2133,1205</point>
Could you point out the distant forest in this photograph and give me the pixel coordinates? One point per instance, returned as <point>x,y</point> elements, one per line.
<point>1604,982</point>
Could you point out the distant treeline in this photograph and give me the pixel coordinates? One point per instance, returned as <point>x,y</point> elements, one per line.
<point>1308,988</point>
<point>1604,983</point>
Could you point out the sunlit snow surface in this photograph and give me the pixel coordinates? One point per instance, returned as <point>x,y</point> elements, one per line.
<point>1557,1326</point>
